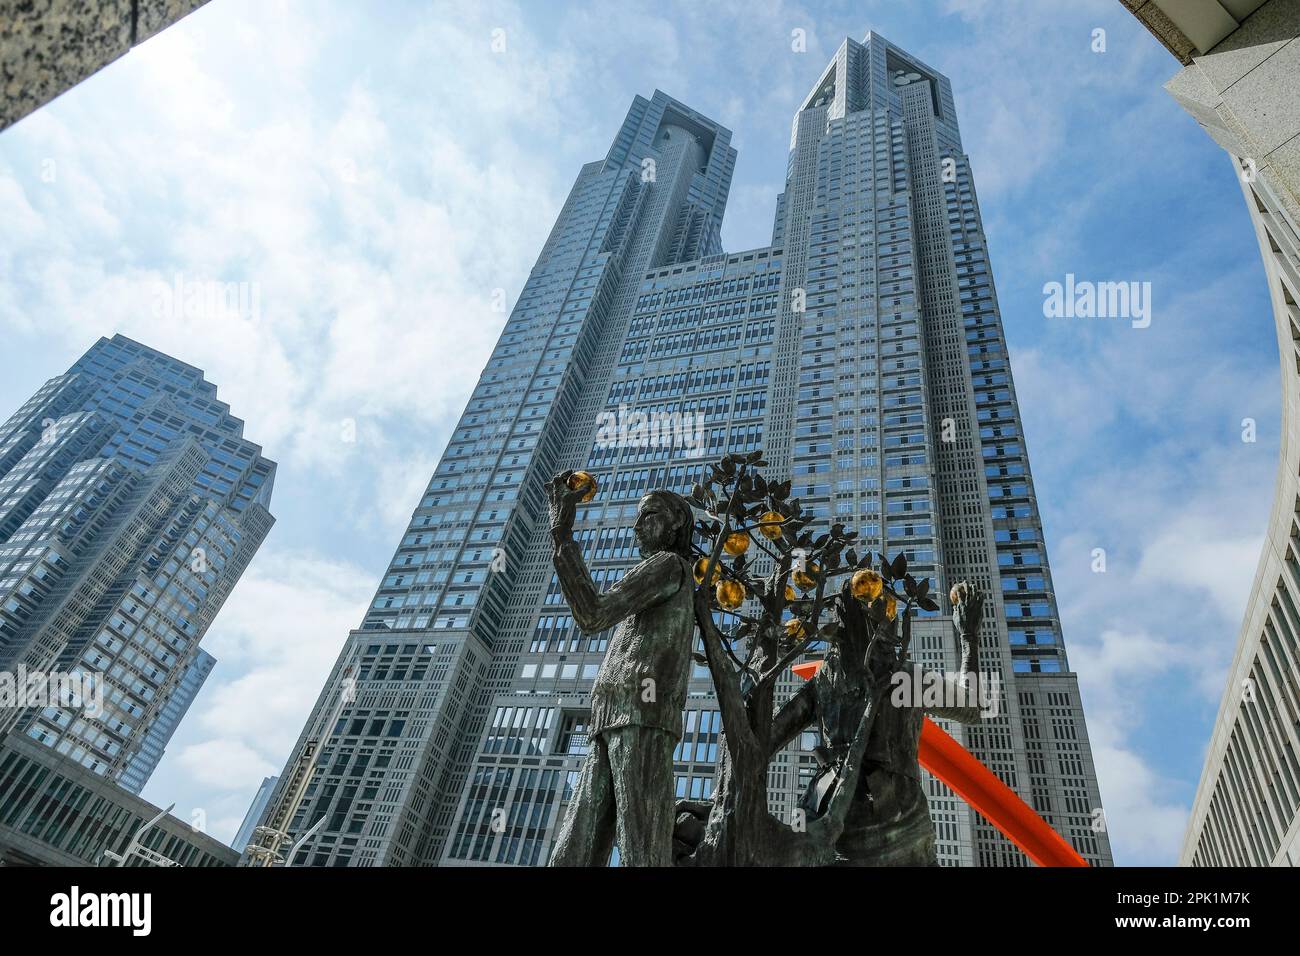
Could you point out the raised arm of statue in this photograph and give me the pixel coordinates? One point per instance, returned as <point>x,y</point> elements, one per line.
<point>967,612</point>
<point>651,582</point>
<point>965,707</point>
<point>964,689</point>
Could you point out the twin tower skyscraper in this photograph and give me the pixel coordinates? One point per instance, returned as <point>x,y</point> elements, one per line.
<point>862,351</point>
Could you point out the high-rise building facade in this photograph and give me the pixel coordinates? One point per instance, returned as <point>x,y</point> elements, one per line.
<point>55,812</point>
<point>862,350</point>
<point>130,504</point>
<point>254,814</point>
<point>146,760</point>
<point>1241,71</point>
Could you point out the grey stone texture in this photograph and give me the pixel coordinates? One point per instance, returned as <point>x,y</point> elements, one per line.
<point>1162,28</point>
<point>1244,92</point>
<point>49,46</point>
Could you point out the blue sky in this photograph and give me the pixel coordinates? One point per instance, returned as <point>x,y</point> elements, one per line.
<point>379,172</point>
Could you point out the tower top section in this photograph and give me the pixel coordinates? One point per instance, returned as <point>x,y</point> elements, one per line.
<point>871,75</point>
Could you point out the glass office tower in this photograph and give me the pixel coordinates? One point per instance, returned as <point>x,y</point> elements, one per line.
<point>169,718</point>
<point>130,504</point>
<point>862,351</point>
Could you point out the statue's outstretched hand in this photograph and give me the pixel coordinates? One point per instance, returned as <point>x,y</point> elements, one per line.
<point>967,608</point>
<point>967,612</point>
<point>562,503</point>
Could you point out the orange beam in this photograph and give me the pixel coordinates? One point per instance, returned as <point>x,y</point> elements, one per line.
<point>1001,806</point>
<point>808,669</point>
<point>982,789</point>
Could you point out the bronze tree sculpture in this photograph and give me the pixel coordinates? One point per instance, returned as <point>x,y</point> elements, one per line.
<point>866,807</point>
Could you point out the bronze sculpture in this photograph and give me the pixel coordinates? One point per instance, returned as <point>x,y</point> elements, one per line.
<point>866,806</point>
<point>888,822</point>
<point>748,648</point>
<point>625,792</point>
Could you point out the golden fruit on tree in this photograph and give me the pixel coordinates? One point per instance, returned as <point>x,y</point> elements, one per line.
<point>581,480</point>
<point>891,606</point>
<point>701,566</point>
<point>794,629</point>
<point>805,580</point>
<point>866,585</point>
<point>790,595</point>
<point>736,544</point>
<point>730,594</point>
<point>769,526</point>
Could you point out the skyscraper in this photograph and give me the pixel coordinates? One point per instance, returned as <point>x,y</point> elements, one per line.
<point>145,761</point>
<point>862,350</point>
<point>130,504</point>
<point>254,814</point>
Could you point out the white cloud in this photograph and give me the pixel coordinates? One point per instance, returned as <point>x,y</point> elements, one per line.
<point>1143,824</point>
<point>1209,555</point>
<point>215,763</point>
